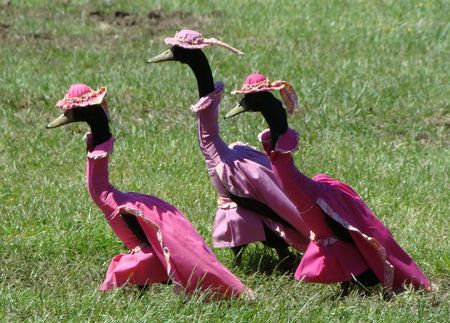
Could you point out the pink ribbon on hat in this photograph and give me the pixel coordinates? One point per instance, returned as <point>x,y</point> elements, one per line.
<point>258,83</point>
<point>81,95</point>
<point>192,39</point>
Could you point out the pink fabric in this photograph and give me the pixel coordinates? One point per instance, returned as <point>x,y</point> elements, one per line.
<point>81,95</point>
<point>259,83</point>
<point>284,144</point>
<point>338,262</point>
<point>374,248</point>
<point>192,39</point>
<point>245,172</point>
<point>141,268</point>
<point>77,90</point>
<point>175,247</point>
<point>188,39</point>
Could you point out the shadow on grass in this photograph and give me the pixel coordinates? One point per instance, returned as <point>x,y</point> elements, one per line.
<point>263,260</point>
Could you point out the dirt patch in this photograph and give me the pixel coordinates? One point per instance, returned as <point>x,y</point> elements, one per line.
<point>118,18</point>
<point>422,137</point>
<point>12,10</point>
<point>5,5</point>
<point>440,121</point>
<point>155,21</point>
<point>4,28</point>
<point>9,30</point>
<point>6,32</point>
<point>159,20</point>
<point>44,36</point>
<point>439,132</point>
<point>113,26</point>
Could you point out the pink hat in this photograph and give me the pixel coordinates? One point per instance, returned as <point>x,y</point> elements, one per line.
<point>81,95</point>
<point>192,39</point>
<point>259,83</point>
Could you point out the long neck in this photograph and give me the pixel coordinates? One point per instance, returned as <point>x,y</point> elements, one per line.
<point>275,116</point>
<point>105,196</point>
<point>98,122</point>
<point>211,144</point>
<point>200,66</point>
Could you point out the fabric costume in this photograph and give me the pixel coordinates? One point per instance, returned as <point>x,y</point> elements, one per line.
<point>240,169</point>
<point>175,250</point>
<point>328,259</point>
<point>244,171</point>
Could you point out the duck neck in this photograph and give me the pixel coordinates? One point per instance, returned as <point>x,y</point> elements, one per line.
<point>98,122</point>
<point>202,71</point>
<point>276,118</point>
<point>211,144</point>
<point>104,195</point>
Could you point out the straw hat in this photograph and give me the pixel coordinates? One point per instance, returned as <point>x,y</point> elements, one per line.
<point>192,39</point>
<point>81,95</point>
<point>258,83</point>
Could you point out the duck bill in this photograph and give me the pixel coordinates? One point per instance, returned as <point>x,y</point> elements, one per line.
<point>163,57</point>
<point>61,120</point>
<point>238,109</point>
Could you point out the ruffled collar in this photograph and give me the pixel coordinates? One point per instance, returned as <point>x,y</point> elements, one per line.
<point>286,143</point>
<point>206,101</point>
<point>99,151</point>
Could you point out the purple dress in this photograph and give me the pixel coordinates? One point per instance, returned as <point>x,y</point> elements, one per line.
<point>176,251</point>
<point>245,172</point>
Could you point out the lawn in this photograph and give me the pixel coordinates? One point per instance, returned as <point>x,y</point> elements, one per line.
<point>373,80</point>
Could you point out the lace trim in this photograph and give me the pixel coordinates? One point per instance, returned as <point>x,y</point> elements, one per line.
<point>100,151</point>
<point>194,39</point>
<point>388,269</point>
<point>325,242</point>
<point>286,144</point>
<point>206,101</point>
<point>225,203</point>
<point>138,213</point>
<point>91,98</point>
<point>256,85</point>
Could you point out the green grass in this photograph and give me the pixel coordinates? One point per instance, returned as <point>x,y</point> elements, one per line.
<point>373,81</point>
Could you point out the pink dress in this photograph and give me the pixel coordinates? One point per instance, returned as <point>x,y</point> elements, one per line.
<point>245,172</point>
<point>328,259</point>
<point>176,250</point>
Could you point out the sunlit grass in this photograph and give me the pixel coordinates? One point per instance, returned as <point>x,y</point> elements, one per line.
<point>373,82</point>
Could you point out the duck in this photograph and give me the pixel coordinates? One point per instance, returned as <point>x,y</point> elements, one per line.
<point>349,244</point>
<point>163,246</point>
<point>252,207</point>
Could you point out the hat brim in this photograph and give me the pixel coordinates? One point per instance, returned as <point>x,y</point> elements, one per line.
<point>96,97</point>
<point>259,89</point>
<point>176,42</point>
